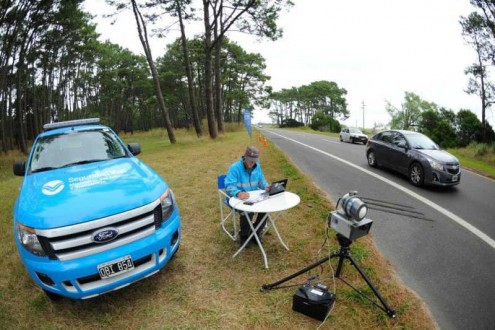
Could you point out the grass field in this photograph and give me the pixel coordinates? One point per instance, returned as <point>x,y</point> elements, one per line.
<point>477,157</point>
<point>203,287</point>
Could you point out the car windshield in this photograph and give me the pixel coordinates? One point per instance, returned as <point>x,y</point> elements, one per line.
<point>420,141</point>
<point>62,150</point>
<point>355,130</point>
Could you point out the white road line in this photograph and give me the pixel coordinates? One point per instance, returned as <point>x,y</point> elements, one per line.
<point>481,176</point>
<point>481,235</point>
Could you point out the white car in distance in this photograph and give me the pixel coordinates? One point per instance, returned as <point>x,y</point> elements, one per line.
<point>353,135</point>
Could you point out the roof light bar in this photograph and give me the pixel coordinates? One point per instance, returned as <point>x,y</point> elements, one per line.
<point>69,123</point>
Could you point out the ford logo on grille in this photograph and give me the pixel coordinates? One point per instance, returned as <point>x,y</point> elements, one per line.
<point>104,235</point>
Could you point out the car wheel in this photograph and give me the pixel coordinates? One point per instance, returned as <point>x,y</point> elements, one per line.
<point>353,140</point>
<point>372,158</point>
<point>341,138</point>
<point>416,174</point>
<point>173,255</point>
<point>52,295</point>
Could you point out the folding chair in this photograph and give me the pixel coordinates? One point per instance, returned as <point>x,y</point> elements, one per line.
<point>227,214</point>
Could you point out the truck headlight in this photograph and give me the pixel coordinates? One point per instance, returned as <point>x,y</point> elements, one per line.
<point>167,200</point>
<point>28,238</point>
<point>435,165</point>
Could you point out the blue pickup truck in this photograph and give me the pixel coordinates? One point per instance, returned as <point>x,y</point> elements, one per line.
<point>91,217</point>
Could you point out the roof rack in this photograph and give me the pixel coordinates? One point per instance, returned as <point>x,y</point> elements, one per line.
<point>71,123</point>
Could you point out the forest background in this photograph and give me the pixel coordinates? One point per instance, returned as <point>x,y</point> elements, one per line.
<point>54,68</point>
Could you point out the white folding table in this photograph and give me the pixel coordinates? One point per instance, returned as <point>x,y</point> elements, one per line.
<point>273,206</point>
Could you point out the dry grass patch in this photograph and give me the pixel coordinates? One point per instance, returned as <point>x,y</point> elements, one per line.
<point>204,287</point>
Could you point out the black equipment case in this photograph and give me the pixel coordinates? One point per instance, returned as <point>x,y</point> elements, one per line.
<point>313,301</point>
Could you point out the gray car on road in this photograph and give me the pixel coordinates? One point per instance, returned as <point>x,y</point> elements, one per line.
<point>415,155</point>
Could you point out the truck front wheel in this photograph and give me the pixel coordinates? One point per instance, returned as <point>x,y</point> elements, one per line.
<point>52,296</point>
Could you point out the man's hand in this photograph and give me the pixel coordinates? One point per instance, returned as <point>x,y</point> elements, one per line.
<point>243,195</point>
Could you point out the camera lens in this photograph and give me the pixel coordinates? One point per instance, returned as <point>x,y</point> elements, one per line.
<point>354,207</point>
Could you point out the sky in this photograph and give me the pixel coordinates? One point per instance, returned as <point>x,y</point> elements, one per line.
<point>376,50</point>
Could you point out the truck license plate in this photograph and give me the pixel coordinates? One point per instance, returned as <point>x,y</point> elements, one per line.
<point>115,267</point>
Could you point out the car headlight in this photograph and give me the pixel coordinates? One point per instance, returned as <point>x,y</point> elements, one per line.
<point>167,200</point>
<point>435,165</point>
<point>28,238</point>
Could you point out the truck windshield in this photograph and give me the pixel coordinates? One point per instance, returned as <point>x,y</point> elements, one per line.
<point>56,151</point>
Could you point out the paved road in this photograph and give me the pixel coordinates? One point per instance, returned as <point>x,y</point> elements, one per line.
<point>450,260</point>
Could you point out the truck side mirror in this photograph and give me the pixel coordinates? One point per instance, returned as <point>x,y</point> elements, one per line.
<point>134,148</point>
<point>19,168</point>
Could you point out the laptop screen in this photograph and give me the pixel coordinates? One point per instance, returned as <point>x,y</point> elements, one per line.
<point>277,187</point>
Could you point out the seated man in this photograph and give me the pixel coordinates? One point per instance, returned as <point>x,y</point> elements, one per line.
<point>246,175</point>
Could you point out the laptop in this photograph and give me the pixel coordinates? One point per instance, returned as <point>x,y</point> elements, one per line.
<point>276,187</point>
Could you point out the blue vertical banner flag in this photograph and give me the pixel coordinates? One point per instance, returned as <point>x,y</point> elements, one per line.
<point>247,121</point>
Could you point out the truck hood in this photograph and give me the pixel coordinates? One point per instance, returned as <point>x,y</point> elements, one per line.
<point>87,192</point>
<point>440,156</point>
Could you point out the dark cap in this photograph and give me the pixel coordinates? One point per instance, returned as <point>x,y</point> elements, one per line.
<point>252,154</point>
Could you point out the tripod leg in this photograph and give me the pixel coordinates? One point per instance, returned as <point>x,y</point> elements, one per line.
<point>390,312</point>
<point>340,264</point>
<point>266,287</point>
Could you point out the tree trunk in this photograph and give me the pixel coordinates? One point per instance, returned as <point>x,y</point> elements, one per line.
<point>483,99</point>
<point>143,36</point>
<point>210,115</point>
<point>3,106</point>
<point>190,82</point>
<point>218,75</point>
<point>21,138</point>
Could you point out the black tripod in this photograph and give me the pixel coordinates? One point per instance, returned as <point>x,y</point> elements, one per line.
<point>343,253</point>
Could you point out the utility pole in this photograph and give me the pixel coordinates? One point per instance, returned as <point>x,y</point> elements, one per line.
<point>363,106</point>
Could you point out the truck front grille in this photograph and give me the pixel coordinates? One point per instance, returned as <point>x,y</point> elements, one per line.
<point>72,242</point>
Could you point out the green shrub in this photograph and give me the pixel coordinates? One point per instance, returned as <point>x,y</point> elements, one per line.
<point>481,149</point>
<point>324,123</point>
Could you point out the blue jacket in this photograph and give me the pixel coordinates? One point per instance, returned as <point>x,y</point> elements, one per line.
<point>239,179</point>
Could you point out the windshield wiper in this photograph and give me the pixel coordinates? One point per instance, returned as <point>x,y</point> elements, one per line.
<point>87,161</point>
<point>42,169</point>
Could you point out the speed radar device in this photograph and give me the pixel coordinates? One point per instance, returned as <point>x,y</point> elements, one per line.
<point>349,219</point>
<point>350,222</point>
